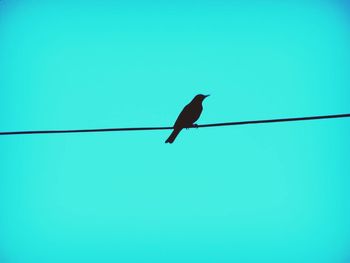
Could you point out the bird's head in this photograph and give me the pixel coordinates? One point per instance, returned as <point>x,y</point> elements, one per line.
<point>200,97</point>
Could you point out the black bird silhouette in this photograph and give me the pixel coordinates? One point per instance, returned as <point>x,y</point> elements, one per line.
<point>188,116</point>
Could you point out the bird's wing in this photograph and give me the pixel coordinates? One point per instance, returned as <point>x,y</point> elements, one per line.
<point>188,115</point>
<point>181,119</point>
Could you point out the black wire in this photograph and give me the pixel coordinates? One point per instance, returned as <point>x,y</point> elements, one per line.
<point>169,128</point>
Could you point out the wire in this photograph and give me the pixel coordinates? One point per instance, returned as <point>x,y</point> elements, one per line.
<point>169,128</point>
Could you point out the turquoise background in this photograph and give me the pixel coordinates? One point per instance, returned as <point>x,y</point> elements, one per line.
<point>262,193</point>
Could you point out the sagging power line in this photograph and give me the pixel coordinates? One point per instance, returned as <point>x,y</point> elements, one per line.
<point>170,128</point>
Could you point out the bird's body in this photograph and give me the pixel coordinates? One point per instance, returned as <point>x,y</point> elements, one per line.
<point>188,116</point>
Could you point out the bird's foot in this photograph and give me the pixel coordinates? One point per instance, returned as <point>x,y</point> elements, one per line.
<point>194,125</point>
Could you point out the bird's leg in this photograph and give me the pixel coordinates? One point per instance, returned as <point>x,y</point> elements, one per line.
<point>194,125</point>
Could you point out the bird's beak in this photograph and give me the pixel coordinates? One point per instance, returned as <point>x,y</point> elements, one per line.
<point>206,96</point>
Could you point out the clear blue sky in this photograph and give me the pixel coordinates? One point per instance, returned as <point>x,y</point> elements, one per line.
<point>251,194</point>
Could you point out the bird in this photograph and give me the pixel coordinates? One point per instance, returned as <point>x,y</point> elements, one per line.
<point>188,116</point>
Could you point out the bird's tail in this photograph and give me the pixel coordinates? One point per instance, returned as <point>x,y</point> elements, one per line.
<point>173,136</point>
